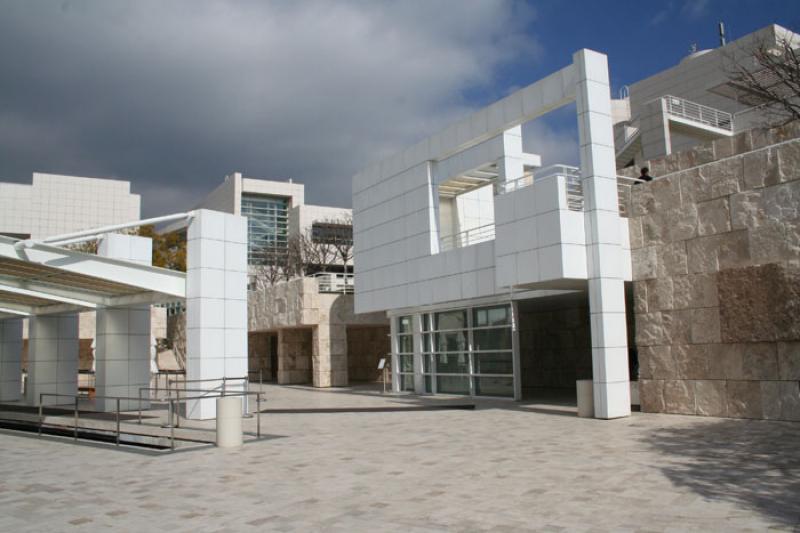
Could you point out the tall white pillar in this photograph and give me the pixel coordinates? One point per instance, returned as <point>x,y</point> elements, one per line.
<point>52,358</point>
<point>603,247</point>
<point>122,339</point>
<point>216,305</point>
<point>10,359</point>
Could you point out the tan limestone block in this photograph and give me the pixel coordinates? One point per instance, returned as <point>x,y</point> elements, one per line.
<point>644,263</point>
<point>640,297</point>
<point>651,395</point>
<point>650,329</point>
<point>672,259</point>
<point>780,400</point>
<point>789,360</point>
<point>659,294</point>
<point>705,326</point>
<point>691,361</point>
<point>747,210</point>
<point>679,397</point>
<point>635,232</point>
<point>744,399</point>
<point>713,217</point>
<point>656,362</point>
<point>760,361</point>
<point>723,147</point>
<point>711,397</point>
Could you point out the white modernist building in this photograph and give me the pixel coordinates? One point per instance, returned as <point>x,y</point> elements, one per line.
<point>49,285</point>
<point>694,101</point>
<point>275,210</point>
<point>54,204</point>
<point>469,247</point>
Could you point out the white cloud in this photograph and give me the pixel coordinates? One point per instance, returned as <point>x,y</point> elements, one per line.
<point>174,95</point>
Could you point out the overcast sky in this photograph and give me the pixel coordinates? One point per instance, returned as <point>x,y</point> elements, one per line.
<point>174,95</point>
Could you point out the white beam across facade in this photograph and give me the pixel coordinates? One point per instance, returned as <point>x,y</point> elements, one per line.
<point>46,296</point>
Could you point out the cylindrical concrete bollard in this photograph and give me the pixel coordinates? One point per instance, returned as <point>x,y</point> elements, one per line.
<point>585,398</point>
<point>229,421</point>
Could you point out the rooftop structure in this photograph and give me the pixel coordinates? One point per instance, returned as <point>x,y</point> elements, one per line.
<point>54,204</point>
<point>692,102</point>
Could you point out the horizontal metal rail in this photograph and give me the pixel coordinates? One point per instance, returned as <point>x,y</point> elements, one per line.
<point>467,237</point>
<point>171,408</point>
<point>682,108</point>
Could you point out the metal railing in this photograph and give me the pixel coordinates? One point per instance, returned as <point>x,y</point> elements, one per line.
<point>467,237</point>
<point>334,282</point>
<point>682,108</point>
<point>571,174</point>
<point>224,386</point>
<point>624,184</point>
<point>172,411</point>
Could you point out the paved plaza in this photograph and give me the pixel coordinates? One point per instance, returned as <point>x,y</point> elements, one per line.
<point>386,467</point>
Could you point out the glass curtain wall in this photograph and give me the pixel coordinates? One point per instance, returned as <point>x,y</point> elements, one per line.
<point>267,227</point>
<point>468,351</point>
<point>405,353</point>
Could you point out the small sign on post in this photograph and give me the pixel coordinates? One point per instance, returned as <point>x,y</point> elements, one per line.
<point>382,368</point>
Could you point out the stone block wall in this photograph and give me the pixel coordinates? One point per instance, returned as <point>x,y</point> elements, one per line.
<point>294,355</point>
<point>298,305</point>
<point>715,245</point>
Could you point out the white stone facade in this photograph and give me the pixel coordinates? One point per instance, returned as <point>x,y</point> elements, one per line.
<point>55,204</point>
<point>553,231</point>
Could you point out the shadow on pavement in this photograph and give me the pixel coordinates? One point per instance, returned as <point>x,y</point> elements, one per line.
<point>755,464</point>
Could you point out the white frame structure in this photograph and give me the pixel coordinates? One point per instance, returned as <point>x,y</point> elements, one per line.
<point>541,242</point>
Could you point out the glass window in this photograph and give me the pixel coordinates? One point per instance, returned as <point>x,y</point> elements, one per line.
<point>494,386</point>
<point>493,363</point>
<point>454,341</point>
<point>451,320</point>
<point>452,384</point>
<point>452,363</point>
<point>406,382</point>
<point>405,363</point>
<point>404,324</point>
<point>492,339</point>
<point>405,343</point>
<point>491,316</point>
<point>267,228</point>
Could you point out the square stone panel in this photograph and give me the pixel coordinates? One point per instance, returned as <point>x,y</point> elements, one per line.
<point>759,303</point>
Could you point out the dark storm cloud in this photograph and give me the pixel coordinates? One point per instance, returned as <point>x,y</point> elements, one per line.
<point>174,95</point>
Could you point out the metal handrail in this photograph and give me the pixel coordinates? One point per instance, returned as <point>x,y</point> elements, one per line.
<point>171,401</point>
<point>467,237</point>
<point>682,108</point>
<point>335,282</point>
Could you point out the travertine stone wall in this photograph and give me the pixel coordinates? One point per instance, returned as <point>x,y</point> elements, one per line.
<point>294,355</point>
<point>716,264</point>
<point>299,304</point>
<point>259,358</point>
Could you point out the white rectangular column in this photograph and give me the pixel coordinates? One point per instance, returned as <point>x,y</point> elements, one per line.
<point>10,359</point>
<point>603,247</point>
<point>216,305</point>
<point>123,337</point>
<point>52,358</point>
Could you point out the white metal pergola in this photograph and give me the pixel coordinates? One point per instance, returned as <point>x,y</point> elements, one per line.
<point>40,279</point>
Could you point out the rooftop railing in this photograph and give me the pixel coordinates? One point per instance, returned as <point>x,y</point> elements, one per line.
<point>682,108</point>
<point>571,174</point>
<point>334,282</point>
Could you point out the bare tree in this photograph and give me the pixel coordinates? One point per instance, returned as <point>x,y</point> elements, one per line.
<point>769,76</point>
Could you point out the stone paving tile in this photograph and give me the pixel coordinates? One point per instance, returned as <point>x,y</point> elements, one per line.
<point>502,467</point>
